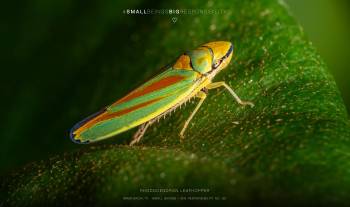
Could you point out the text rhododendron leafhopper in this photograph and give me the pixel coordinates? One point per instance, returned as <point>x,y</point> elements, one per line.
<point>190,76</point>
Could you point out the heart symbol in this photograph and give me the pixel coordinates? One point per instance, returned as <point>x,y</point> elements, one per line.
<point>174,19</point>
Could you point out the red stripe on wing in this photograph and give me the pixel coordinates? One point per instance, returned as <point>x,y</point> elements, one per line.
<point>163,83</point>
<point>106,116</point>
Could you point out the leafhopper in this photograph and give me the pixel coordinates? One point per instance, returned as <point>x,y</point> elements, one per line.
<point>191,75</point>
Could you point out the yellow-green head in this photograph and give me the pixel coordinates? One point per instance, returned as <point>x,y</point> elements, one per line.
<point>207,58</point>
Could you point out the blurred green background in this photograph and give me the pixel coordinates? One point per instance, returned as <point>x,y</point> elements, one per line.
<point>327,24</point>
<point>42,42</point>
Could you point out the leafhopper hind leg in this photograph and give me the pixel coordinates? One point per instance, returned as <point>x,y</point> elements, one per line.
<point>202,95</point>
<point>222,83</point>
<point>140,132</point>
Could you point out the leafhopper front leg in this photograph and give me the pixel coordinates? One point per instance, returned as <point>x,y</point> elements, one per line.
<point>222,83</point>
<point>202,97</point>
<point>140,132</point>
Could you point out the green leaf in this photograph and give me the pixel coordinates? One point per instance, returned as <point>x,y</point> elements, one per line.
<point>291,148</point>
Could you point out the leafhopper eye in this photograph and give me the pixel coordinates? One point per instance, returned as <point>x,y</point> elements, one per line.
<point>217,64</point>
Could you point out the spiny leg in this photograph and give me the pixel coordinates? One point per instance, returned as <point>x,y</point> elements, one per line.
<point>220,84</point>
<point>202,96</point>
<point>140,132</point>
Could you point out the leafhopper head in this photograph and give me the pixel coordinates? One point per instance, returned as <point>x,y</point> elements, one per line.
<point>222,53</point>
<point>207,58</point>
